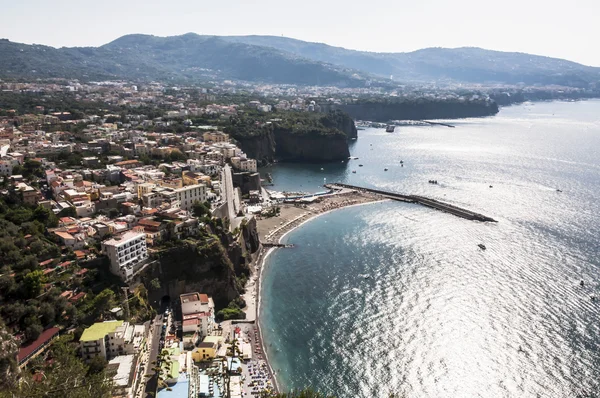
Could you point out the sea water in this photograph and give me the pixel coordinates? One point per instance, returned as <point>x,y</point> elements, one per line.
<point>398,298</point>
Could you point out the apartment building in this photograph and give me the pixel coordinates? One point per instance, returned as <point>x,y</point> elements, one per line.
<point>186,196</point>
<point>110,339</point>
<point>127,253</point>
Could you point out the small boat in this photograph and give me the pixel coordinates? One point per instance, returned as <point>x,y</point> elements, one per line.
<point>482,246</point>
<point>360,165</point>
<point>385,169</point>
<point>582,284</point>
<point>390,128</point>
<point>322,169</point>
<point>366,276</point>
<point>354,171</point>
<point>558,190</point>
<point>491,186</point>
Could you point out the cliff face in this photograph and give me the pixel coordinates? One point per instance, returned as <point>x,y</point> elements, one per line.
<point>210,266</point>
<point>310,147</point>
<point>324,142</point>
<point>382,111</point>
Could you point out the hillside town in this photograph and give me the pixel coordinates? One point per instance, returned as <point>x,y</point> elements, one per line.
<point>97,200</point>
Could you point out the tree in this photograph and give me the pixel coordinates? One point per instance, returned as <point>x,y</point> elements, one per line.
<point>200,209</point>
<point>103,302</point>
<point>45,216</point>
<point>97,365</point>
<point>113,213</point>
<point>33,331</point>
<point>47,313</point>
<point>68,212</point>
<point>32,283</point>
<point>8,364</point>
<point>66,377</point>
<point>155,283</point>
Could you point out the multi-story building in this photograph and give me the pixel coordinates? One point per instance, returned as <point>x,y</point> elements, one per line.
<point>126,378</point>
<point>94,340</point>
<point>197,311</point>
<point>186,196</point>
<point>215,136</point>
<point>144,188</point>
<point>110,339</point>
<point>127,253</point>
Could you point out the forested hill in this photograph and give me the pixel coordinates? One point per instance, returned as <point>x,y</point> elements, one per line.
<point>194,58</point>
<point>186,58</point>
<point>467,64</point>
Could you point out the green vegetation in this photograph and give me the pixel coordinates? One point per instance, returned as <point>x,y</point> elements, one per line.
<point>273,211</point>
<point>253,123</point>
<point>32,299</point>
<point>65,376</point>
<point>183,58</point>
<point>232,311</point>
<point>55,102</point>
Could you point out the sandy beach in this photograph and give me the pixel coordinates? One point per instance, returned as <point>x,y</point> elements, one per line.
<point>271,230</point>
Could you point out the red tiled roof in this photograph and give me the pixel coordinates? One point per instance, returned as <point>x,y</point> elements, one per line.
<point>77,297</point>
<point>204,298</point>
<point>44,338</point>
<point>64,235</point>
<point>196,315</point>
<point>149,223</point>
<point>47,262</point>
<point>79,253</point>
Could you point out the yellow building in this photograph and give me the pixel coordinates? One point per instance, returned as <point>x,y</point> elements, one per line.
<point>191,178</point>
<point>207,350</point>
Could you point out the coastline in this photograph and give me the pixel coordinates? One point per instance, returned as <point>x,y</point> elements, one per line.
<point>293,220</point>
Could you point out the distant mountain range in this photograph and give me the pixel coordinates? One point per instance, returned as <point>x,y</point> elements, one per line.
<point>273,59</point>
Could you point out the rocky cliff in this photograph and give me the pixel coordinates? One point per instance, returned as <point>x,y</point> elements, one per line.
<point>217,264</point>
<point>299,138</point>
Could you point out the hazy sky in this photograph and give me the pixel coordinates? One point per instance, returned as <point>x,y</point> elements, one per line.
<point>564,29</point>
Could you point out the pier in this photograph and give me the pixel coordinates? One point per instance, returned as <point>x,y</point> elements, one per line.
<point>421,200</point>
<point>269,244</point>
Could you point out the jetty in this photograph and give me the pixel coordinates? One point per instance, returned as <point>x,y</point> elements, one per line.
<point>421,200</point>
<point>438,124</point>
<point>269,244</point>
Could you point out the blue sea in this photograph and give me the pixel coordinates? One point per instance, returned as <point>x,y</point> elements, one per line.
<point>398,298</point>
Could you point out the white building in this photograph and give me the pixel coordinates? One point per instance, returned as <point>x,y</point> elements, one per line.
<point>127,253</point>
<point>125,377</point>
<point>6,165</point>
<point>197,311</point>
<point>186,196</point>
<point>112,338</point>
<point>244,164</point>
